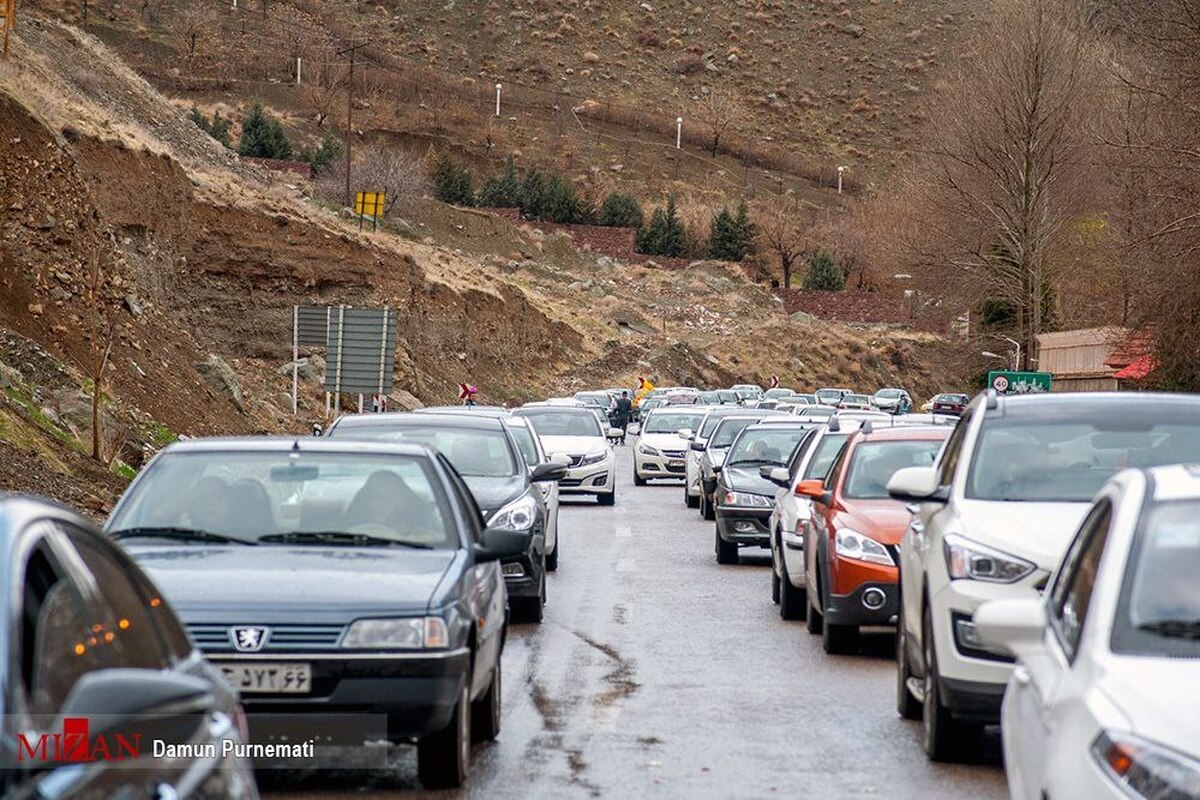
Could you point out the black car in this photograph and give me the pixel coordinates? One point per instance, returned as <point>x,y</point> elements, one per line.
<point>484,453</point>
<point>327,577</point>
<point>744,496</point>
<point>950,403</point>
<point>712,451</point>
<point>96,665</point>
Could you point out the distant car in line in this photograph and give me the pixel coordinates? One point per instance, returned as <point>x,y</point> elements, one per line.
<point>743,495</point>
<point>660,451</point>
<point>485,454</point>
<point>856,402</point>
<point>893,401</point>
<point>712,453</point>
<point>777,393</point>
<point>816,412</point>
<point>993,519</point>
<point>831,397</point>
<point>949,403</point>
<point>1102,701</point>
<point>499,412</point>
<point>728,397</point>
<point>682,397</point>
<point>531,448</point>
<point>747,392</point>
<point>696,440</point>
<point>851,555</point>
<point>90,637</point>
<point>334,575</point>
<point>578,435</point>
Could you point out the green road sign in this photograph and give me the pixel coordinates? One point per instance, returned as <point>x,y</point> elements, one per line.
<point>1010,382</point>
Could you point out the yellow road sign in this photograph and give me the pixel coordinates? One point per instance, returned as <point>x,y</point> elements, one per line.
<point>369,204</point>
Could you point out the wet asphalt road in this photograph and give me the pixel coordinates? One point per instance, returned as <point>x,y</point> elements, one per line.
<point>658,673</point>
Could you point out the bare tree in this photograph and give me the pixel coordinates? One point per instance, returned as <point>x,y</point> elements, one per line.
<point>194,23</point>
<point>781,232</point>
<point>400,173</point>
<point>324,83</point>
<point>716,113</point>
<point>1009,168</point>
<point>101,314</point>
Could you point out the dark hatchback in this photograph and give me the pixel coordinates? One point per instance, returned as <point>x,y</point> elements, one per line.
<point>483,451</point>
<point>744,495</point>
<point>949,403</point>
<point>88,640</point>
<point>331,577</point>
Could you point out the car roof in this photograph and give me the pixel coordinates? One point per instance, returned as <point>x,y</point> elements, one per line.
<point>783,420</point>
<point>905,433</point>
<point>293,444</point>
<point>548,408</point>
<point>1176,482</point>
<point>487,411</point>
<point>1116,402</point>
<point>408,419</point>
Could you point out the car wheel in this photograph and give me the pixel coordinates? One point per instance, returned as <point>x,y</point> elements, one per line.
<point>943,737</point>
<point>814,622</point>
<point>688,500</point>
<point>793,602</point>
<point>638,480</point>
<point>839,640</point>
<point>774,584</point>
<point>709,512</point>
<point>607,499</point>
<point>485,712</point>
<point>552,558</point>
<point>727,552</point>
<point>444,758</point>
<point>531,609</point>
<point>906,705</point>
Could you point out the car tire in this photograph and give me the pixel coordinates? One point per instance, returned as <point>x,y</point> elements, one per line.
<point>943,737</point>
<point>906,705</point>
<point>688,500</point>
<point>814,620</point>
<point>706,506</point>
<point>552,558</point>
<point>607,499</point>
<point>638,480</point>
<point>793,602</point>
<point>774,585</point>
<point>485,712</point>
<point>839,640</point>
<point>531,609</point>
<point>727,552</point>
<point>444,758</point>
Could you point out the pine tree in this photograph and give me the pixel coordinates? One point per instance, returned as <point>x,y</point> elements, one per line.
<point>723,242</point>
<point>664,236</point>
<point>263,136</point>
<point>823,273</point>
<point>502,190</point>
<point>621,211</point>
<point>746,231</point>
<point>452,182</point>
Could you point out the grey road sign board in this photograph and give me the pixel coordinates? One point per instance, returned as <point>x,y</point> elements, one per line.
<point>362,350</point>
<point>312,324</point>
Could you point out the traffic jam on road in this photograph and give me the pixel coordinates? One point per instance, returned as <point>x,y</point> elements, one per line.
<point>260,607</point>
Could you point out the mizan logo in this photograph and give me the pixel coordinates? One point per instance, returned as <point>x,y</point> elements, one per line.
<point>76,744</point>
<point>249,638</point>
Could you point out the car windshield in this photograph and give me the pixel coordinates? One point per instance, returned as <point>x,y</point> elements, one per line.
<point>711,421</point>
<point>727,396</point>
<point>474,452</point>
<point>528,447</point>
<point>670,423</point>
<point>727,431</point>
<point>746,394</point>
<point>765,446</point>
<point>338,498</point>
<point>873,463</point>
<point>565,423</point>
<point>829,395</point>
<point>824,454</point>
<point>1068,457</point>
<point>814,412</point>
<point>1159,610</point>
<point>709,398</point>
<point>778,392</point>
<point>653,402</point>
<point>600,399</point>
<point>856,398</point>
<point>888,394</point>
<point>959,399</point>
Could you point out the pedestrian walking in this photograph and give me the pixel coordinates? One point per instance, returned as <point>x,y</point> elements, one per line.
<point>624,411</point>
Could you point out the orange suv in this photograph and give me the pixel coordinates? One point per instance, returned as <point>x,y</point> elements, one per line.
<point>851,550</point>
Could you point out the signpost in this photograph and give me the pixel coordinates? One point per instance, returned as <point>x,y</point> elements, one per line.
<point>310,325</point>
<point>1012,382</point>
<point>362,351</point>
<point>369,204</point>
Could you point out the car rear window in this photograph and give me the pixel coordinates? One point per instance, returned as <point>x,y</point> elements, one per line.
<point>872,465</point>
<point>564,423</point>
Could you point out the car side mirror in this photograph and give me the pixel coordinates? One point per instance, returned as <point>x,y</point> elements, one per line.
<point>699,447</point>
<point>615,433</point>
<point>124,703</point>
<point>776,475</point>
<point>916,485</point>
<point>815,490</point>
<point>548,471</point>
<point>685,433</point>
<point>1013,627</point>
<point>498,544</point>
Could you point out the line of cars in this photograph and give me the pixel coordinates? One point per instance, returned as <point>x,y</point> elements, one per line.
<point>1036,555</point>
<point>370,573</point>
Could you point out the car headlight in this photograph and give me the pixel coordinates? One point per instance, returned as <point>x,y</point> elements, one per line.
<point>1145,769</point>
<point>518,515</point>
<point>410,633</point>
<point>852,544</point>
<point>747,500</point>
<point>647,450</point>
<point>970,560</point>
<point>593,458</point>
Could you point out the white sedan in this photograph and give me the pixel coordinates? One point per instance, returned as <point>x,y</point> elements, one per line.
<point>660,451</point>
<point>1103,700</point>
<point>576,434</point>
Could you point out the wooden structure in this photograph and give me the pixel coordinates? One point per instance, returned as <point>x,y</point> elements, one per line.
<point>1076,359</point>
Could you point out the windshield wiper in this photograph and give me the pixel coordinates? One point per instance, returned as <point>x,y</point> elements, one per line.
<point>182,534</point>
<point>753,461</point>
<point>1173,628</point>
<point>338,537</point>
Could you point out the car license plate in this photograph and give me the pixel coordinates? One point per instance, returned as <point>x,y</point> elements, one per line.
<point>269,677</point>
<point>675,463</point>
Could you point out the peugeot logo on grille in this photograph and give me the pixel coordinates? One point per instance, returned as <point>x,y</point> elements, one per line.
<point>249,638</point>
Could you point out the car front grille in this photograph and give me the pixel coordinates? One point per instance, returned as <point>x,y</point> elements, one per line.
<point>672,453</point>
<point>282,638</point>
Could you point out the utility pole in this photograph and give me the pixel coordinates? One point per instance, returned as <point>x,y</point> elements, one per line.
<point>350,112</point>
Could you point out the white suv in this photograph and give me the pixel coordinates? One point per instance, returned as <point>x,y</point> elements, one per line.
<point>576,434</point>
<point>660,450</point>
<point>992,520</point>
